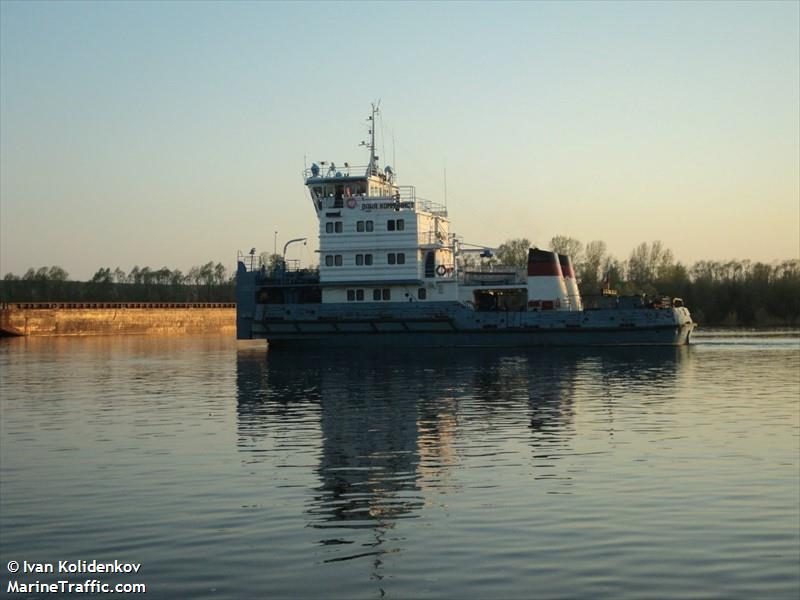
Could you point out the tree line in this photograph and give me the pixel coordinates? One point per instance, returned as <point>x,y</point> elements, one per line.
<point>735,292</point>
<point>210,282</point>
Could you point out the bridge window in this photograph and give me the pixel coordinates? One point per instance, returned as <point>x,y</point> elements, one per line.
<point>365,226</point>
<point>334,227</point>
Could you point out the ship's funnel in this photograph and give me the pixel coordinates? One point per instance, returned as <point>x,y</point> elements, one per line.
<point>570,281</point>
<point>546,287</point>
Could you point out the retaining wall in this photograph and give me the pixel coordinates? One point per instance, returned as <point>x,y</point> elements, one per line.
<point>105,318</point>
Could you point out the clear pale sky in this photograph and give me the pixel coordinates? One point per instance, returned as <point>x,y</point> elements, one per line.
<point>171,134</point>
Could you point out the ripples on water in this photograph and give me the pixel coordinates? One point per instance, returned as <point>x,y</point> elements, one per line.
<point>233,472</point>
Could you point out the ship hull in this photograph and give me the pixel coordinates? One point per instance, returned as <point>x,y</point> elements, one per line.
<point>481,339</point>
<point>454,325</point>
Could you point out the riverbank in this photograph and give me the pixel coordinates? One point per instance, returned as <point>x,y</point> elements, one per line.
<point>108,318</point>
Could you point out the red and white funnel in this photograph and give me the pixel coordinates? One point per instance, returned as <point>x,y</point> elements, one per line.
<point>546,287</point>
<point>570,281</point>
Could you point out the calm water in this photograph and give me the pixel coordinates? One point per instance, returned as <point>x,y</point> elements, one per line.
<point>231,472</point>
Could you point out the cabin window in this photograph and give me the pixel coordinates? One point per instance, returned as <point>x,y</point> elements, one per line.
<point>338,227</point>
<point>386,294</point>
<point>328,260</point>
<point>391,258</point>
<point>390,225</point>
<point>368,259</point>
<point>337,260</point>
<point>365,226</point>
<point>396,224</point>
<point>355,295</point>
<point>376,295</point>
<point>359,259</point>
<point>401,258</point>
<point>422,293</point>
<point>329,227</point>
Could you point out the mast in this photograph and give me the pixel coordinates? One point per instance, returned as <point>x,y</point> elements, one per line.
<point>373,160</point>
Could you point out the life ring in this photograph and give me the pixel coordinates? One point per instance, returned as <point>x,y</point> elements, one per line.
<point>441,270</point>
<point>351,203</point>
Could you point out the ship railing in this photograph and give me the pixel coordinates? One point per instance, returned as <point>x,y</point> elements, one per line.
<point>493,275</point>
<point>110,305</point>
<point>408,193</point>
<point>253,262</point>
<point>433,238</point>
<point>344,170</point>
<point>292,272</point>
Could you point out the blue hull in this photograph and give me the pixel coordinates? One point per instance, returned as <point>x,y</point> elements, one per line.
<point>451,324</point>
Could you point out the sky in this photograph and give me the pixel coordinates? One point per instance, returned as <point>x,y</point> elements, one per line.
<point>173,134</point>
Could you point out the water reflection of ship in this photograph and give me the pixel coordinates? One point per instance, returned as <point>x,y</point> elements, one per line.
<point>368,439</point>
<point>570,381</point>
<point>384,428</point>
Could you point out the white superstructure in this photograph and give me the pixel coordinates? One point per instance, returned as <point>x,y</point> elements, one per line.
<point>377,240</point>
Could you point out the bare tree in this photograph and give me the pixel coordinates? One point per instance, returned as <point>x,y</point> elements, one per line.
<point>569,247</point>
<point>591,269</point>
<point>514,252</point>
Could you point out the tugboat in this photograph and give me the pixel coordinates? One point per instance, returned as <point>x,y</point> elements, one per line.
<point>392,274</point>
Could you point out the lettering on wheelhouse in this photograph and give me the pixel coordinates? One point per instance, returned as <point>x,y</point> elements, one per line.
<point>386,205</point>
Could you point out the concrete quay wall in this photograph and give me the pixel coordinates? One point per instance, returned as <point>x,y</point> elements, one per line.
<point>105,318</point>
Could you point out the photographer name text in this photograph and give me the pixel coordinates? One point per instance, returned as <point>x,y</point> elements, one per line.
<point>80,566</point>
